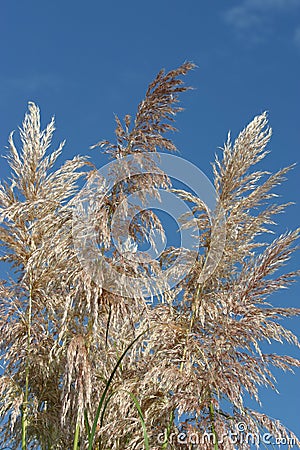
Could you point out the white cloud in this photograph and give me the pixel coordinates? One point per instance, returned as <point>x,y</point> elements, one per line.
<point>273,4</point>
<point>254,14</point>
<point>32,83</point>
<point>297,37</point>
<point>242,18</point>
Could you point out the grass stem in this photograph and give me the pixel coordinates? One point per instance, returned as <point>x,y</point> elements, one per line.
<point>26,394</point>
<point>76,437</point>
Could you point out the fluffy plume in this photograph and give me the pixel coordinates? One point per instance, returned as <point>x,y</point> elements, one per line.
<point>62,334</point>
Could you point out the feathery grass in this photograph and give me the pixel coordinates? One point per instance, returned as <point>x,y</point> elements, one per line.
<point>67,343</point>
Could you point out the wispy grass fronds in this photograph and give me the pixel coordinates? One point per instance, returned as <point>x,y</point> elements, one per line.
<point>66,343</point>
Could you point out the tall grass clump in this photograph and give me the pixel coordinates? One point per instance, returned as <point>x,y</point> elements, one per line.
<point>86,365</point>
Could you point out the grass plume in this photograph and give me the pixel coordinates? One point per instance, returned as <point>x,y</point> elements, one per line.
<point>75,354</point>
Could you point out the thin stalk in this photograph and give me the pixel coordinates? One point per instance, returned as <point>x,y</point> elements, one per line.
<point>26,394</point>
<point>102,418</point>
<point>107,326</point>
<point>199,290</point>
<point>87,425</point>
<point>98,411</point>
<point>104,409</point>
<point>212,421</point>
<point>138,407</point>
<point>169,428</point>
<point>76,436</point>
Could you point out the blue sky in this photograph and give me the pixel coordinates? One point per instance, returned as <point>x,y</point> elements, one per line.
<point>84,61</point>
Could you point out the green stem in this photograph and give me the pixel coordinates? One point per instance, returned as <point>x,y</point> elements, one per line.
<point>195,305</point>
<point>98,411</point>
<point>76,437</point>
<point>169,428</point>
<point>138,407</point>
<point>26,395</point>
<point>212,421</point>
